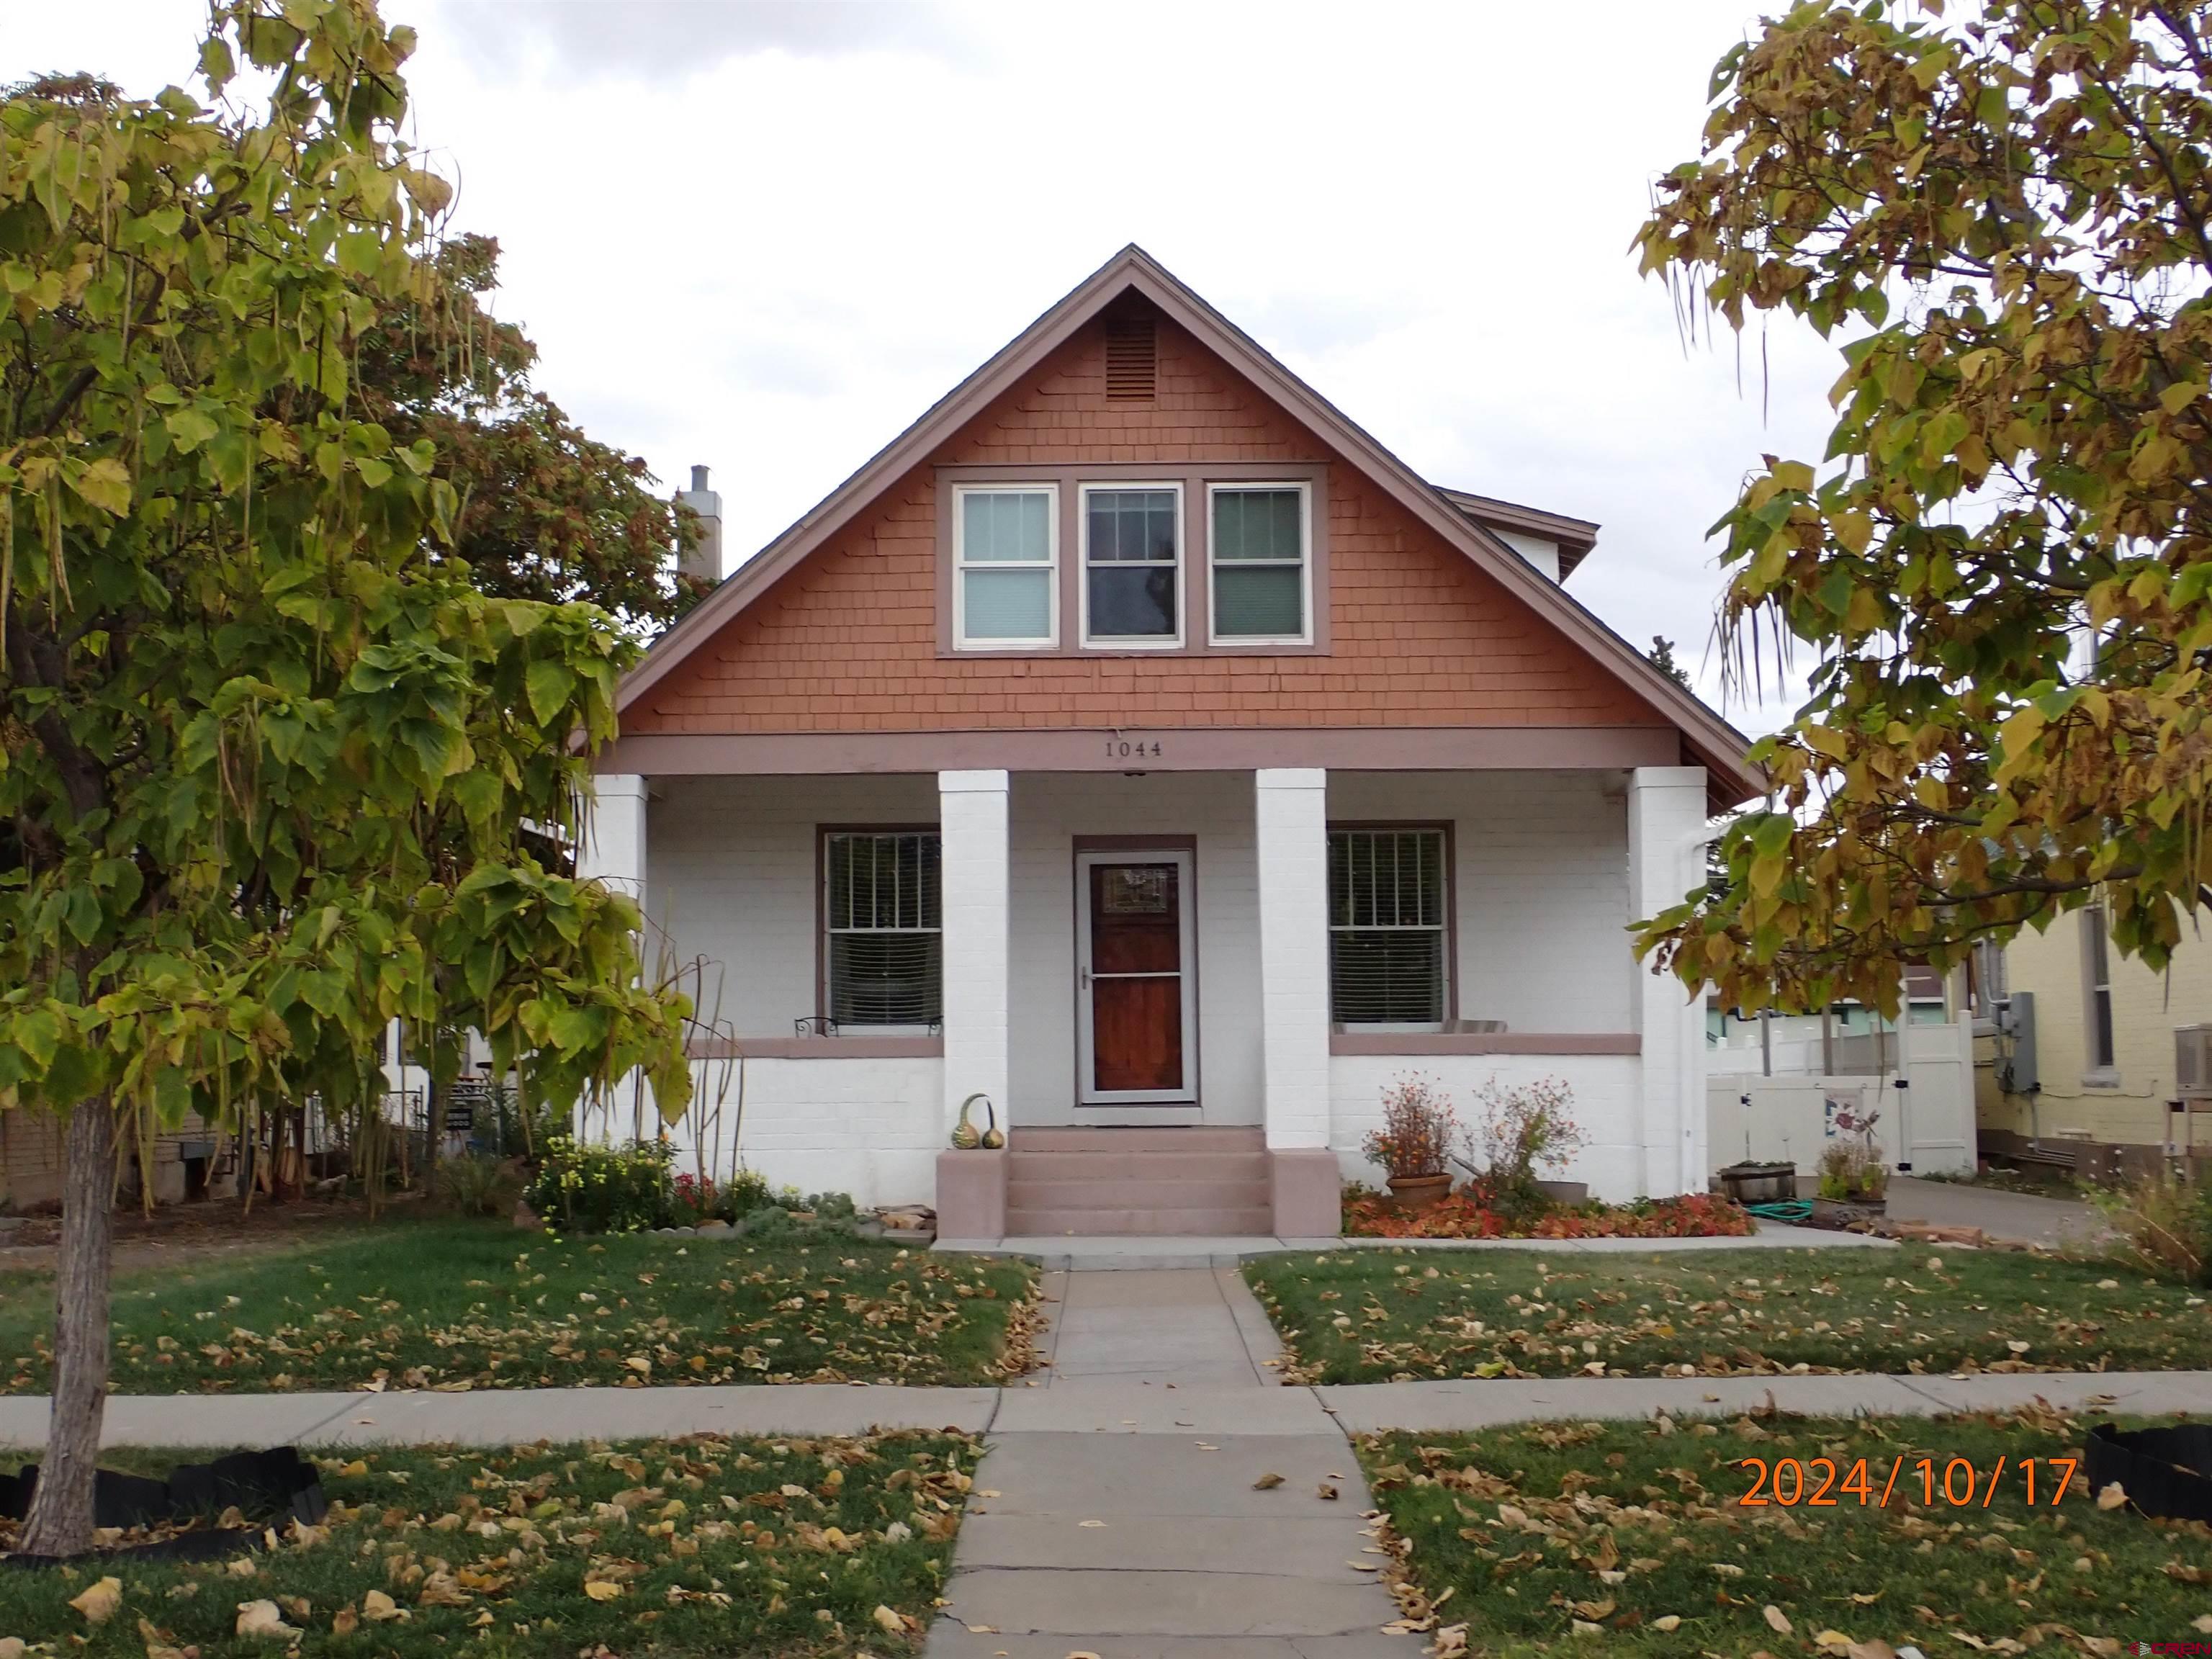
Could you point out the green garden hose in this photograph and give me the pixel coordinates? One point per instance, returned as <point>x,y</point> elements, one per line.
<point>1788,1209</point>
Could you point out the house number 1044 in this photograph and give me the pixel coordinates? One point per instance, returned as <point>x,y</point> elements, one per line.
<point>1131,748</point>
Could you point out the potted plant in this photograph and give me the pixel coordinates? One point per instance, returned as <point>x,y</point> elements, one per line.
<point>1419,1126</point>
<point>1853,1169</point>
<point>1520,1131</point>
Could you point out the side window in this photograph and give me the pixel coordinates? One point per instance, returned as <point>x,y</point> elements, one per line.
<point>1388,935</point>
<point>882,947</point>
<point>1005,576</point>
<point>1261,564</point>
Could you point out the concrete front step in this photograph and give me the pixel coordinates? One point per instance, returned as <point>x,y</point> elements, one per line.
<point>1244,1221</point>
<point>1210,1137</point>
<point>1194,1165</point>
<point>1125,1194</point>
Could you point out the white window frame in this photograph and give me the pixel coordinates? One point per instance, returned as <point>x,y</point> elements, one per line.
<point>1444,930</point>
<point>829,930</point>
<point>1251,487</point>
<point>2098,1072</point>
<point>1130,642</point>
<point>1050,639</point>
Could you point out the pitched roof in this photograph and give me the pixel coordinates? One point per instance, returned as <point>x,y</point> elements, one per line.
<point>1574,537</point>
<point>1469,523</point>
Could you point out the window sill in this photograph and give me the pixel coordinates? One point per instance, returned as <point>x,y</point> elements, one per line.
<point>1484,1042</point>
<point>2105,1082</point>
<point>841,1047</point>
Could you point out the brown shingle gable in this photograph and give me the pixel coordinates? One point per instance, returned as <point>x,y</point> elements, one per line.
<point>1421,636</point>
<point>883,513</point>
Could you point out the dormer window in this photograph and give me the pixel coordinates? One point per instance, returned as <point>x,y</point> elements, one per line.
<point>1127,558</point>
<point>1132,565</point>
<point>1005,555</point>
<point>1262,590</point>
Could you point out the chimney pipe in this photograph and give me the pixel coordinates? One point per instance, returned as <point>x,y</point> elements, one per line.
<point>705,559</point>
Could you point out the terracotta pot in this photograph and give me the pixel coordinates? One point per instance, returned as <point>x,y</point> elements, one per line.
<point>1414,1194</point>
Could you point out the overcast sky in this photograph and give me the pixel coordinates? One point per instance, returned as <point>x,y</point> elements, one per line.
<point>764,235</point>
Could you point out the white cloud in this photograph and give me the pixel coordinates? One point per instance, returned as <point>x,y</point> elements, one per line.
<point>767,236</point>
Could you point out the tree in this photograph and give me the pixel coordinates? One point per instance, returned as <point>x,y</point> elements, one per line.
<point>268,754</point>
<point>1660,656</point>
<point>545,511</point>
<point>2001,572</point>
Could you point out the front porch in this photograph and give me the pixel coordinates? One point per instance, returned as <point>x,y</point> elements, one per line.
<point>1137,962</point>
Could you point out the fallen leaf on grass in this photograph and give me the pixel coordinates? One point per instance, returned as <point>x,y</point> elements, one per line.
<point>1668,1622</point>
<point>1832,1641</point>
<point>600,1589</point>
<point>376,1606</point>
<point>1267,1482</point>
<point>2113,1497</point>
<point>345,1621</point>
<point>2202,1622</point>
<point>13,1647</point>
<point>99,1603</point>
<point>1875,1648</point>
<point>890,1620</point>
<point>441,1589</point>
<point>1778,1621</point>
<point>262,1619</point>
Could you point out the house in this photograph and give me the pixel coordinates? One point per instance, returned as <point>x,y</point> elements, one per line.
<point>2095,1060</point>
<point>1137,744</point>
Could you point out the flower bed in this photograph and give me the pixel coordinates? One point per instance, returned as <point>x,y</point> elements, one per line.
<point>1696,1215</point>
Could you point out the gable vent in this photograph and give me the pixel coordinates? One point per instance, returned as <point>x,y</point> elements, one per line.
<point>1132,359</point>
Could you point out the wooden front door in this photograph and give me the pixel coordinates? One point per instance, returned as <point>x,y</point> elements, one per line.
<point>1135,994</point>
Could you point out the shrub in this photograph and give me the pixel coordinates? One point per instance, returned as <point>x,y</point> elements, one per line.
<point>2164,1226</point>
<point>695,1198</point>
<point>604,1189</point>
<point>1520,1131</point>
<point>1418,1126</point>
<point>479,1184</point>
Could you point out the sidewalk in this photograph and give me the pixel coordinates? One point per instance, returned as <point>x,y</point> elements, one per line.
<point>1142,1254</point>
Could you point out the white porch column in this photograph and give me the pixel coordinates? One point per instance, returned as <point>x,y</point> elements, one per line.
<point>1666,858</point>
<point>1290,820</point>
<point>610,843</point>
<point>972,823</point>
<point>610,850</point>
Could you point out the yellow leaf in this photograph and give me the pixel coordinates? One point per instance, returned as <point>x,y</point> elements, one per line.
<point>1792,474</point>
<point>376,1606</point>
<point>262,1619</point>
<point>2113,1497</point>
<point>1778,1621</point>
<point>99,1603</point>
<point>889,1620</point>
<point>1668,1622</point>
<point>600,1590</point>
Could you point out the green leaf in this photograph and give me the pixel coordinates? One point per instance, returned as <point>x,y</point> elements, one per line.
<point>550,685</point>
<point>103,483</point>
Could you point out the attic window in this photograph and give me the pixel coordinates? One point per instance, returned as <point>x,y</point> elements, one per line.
<point>1132,359</point>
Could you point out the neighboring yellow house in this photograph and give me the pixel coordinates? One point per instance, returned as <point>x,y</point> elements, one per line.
<point>2103,1048</point>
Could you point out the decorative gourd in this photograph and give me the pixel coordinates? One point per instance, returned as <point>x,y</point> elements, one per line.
<point>994,1137</point>
<point>965,1136</point>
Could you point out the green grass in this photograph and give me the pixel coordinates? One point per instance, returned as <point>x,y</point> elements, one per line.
<point>717,1547</point>
<point>1523,1532</point>
<point>1374,1315</point>
<point>478,1304</point>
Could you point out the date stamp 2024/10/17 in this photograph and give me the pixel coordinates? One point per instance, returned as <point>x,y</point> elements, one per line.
<point>1957,1482</point>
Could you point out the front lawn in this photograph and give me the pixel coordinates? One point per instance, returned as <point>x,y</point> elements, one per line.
<point>702,1546</point>
<point>1534,1539</point>
<point>1373,1315</point>
<point>461,1305</point>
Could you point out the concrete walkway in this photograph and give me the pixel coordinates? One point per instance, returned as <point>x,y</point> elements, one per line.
<point>1159,1494</point>
<point>2023,1217</point>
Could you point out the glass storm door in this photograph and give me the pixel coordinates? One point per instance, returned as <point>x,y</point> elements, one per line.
<point>1136,997</point>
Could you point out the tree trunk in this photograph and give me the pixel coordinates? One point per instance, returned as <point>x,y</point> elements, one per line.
<point>60,1522</point>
